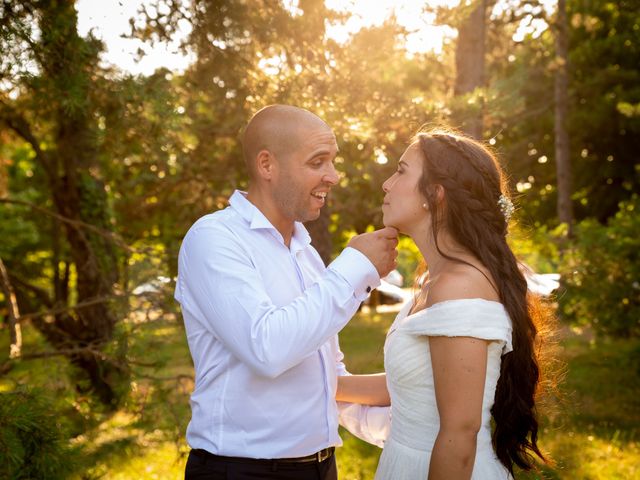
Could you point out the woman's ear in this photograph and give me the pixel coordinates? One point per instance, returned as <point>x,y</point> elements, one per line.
<point>265,164</point>
<point>435,194</point>
<point>438,194</point>
<point>439,200</point>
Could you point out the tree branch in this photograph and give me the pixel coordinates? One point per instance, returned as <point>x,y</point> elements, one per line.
<point>14,313</point>
<point>8,364</point>
<point>40,293</point>
<point>111,236</point>
<point>77,306</point>
<point>176,378</point>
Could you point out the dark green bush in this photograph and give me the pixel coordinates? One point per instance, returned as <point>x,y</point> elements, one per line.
<point>601,274</point>
<point>32,442</point>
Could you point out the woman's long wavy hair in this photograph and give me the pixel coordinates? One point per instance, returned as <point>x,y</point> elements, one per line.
<point>473,183</point>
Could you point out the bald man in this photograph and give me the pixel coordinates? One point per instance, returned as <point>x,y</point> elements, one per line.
<point>262,312</point>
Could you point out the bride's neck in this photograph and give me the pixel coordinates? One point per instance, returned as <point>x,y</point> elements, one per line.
<point>433,256</point>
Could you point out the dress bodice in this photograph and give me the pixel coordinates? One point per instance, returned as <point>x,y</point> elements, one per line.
<point>415,420</point>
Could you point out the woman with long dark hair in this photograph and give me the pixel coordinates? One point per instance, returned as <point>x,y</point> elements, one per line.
<point>463,351</point>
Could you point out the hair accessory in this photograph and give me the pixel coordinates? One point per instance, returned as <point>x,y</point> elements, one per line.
<point>506,207</point>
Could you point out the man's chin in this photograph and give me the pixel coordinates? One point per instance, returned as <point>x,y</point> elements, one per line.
<point>311,216</point>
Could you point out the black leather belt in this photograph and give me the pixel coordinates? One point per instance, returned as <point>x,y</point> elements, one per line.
<point>317,457</point>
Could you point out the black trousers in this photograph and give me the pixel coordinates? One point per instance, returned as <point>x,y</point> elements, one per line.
<point>210,467</point>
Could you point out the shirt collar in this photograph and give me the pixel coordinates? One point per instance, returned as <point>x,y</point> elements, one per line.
<point>256,219</point>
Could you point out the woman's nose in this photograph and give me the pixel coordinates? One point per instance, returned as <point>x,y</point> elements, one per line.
<point>388,183</point>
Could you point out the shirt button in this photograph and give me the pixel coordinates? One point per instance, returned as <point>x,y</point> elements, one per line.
<point>368,289</point>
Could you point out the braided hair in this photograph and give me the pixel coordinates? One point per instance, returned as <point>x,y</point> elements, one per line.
<point>473,185</point>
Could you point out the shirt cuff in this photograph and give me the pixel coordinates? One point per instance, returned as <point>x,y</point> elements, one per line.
<point>368,423</point>
<point>357,270</point>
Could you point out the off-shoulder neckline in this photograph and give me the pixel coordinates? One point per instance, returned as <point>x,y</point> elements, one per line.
<point>455,300</point>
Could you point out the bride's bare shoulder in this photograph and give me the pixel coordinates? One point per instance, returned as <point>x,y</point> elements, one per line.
<point>461,282</point>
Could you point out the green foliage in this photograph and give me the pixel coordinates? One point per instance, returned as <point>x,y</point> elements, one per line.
<point>592,433</point>
<point>601,273</point>
<point>32,443</point>
<point>603,124</point>
<point>20,234</point>
<point>409,259</point>
<point>537,247</point>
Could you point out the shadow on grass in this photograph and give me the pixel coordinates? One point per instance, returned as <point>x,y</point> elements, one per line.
<point>98,462</point>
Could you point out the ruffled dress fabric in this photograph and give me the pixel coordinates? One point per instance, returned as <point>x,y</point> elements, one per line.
<point>415,421</point>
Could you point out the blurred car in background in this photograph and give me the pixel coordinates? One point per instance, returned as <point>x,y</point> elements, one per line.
<point>389,291</point>
<point>543,284</point>
<point>155,285</point>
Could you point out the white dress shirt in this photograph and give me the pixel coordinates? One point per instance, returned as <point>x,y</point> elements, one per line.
<point>261,321</point>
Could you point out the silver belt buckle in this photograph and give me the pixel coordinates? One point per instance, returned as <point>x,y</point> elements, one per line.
<point>322,455</point>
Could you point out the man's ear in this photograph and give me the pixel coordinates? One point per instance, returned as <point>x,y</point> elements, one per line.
<point>265,164</point>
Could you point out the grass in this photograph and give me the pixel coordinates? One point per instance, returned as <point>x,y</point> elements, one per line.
<point>593,433</point>
<point>362,343</point>
<point>596,432</point>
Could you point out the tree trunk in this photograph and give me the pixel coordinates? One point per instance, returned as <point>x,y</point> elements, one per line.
<point>470,49</point>
<point>66,63</point>
<point>563,159</point>
<point>15,333</point>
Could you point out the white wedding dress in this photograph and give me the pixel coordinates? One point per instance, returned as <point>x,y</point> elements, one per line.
<point>415,421</point>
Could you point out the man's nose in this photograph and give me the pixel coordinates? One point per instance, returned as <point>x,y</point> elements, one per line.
<point>332,177</point>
